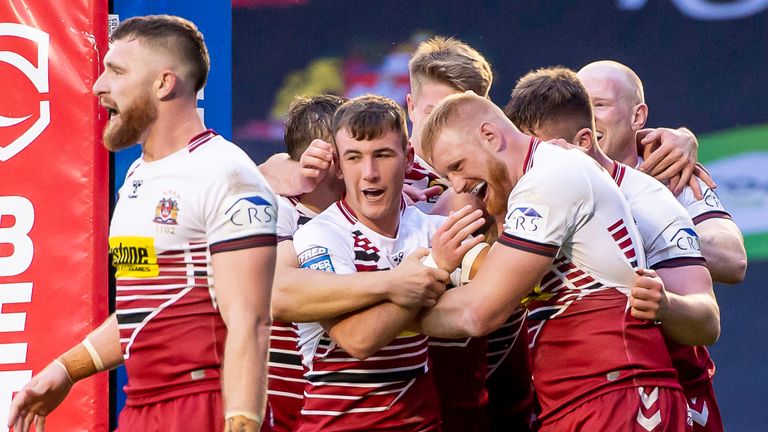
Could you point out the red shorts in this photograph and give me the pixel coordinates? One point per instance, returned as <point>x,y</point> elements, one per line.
<point>198,412</point>
<point>625,410</point>
<point>704,411</point>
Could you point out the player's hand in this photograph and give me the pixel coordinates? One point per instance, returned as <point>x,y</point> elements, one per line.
<point>38,398</point>
<point>454,237</point>
<point>240,424</point>
<point>670,155</point>
<point>699,172</point>
<point>416,285</point>
<point>648,298</point>
<point>315,164</point>
<point>414,194</point>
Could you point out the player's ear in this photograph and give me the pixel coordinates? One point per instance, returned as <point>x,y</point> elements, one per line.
<point>490,136</point>
<point>165,84</point>
<point>336,167</point>
<point>640,117</point>
<point>584,138</point>
<point>409,156</point>
<point>410,104</point>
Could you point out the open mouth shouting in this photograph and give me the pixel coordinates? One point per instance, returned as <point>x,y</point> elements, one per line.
<point>480,190</point>
<point>373,194</point>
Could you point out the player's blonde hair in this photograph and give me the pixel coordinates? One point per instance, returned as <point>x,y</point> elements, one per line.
<point>451,62</point>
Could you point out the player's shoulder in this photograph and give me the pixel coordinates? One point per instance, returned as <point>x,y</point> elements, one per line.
<point>216,153</point>
<point>554,162</point>
<point>330,223</point>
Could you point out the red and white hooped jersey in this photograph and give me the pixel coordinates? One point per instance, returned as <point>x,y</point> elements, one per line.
<point>391,390</point>
<point>172,214</point>
<point>583,340</point>
<point>286,372</point>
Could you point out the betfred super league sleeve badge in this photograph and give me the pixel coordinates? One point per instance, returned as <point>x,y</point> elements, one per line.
<point>316,258</point>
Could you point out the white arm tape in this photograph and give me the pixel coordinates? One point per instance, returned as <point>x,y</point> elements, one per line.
<point>94,355</point>
<point>61,365</point>
<point>469,259</point>
<point>247,414</point>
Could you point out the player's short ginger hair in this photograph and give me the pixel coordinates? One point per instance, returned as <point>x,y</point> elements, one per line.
<point>553,98</point>
<point>453,112</point>
<point>309,118</point>
<point>173,35</point>
<point>451,62</point>
<point>370,117</point>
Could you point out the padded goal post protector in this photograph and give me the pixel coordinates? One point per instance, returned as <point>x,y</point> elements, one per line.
<point>54,203</point>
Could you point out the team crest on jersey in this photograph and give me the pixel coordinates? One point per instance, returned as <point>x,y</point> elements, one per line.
<point>528,220</point>
<point>316,258</point>
<point>166,212</point>
<point>686,239</point>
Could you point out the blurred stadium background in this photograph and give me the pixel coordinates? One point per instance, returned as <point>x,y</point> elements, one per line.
<point>703,63</point>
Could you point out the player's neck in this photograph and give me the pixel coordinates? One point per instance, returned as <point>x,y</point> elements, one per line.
<point>601,158</point>
<point>516,155</point>
<point>628,155</point>
<point>176,124</point>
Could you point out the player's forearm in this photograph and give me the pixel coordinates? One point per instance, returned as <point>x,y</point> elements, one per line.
<point>98,351</point>
<point>723,248</point>
<point>301,295</point>
<point>693,319</point>
<point>364,333</point>
<point>106,340</point>
<point>282,174</point>
<point>245,369</point>
<point>449,319</point>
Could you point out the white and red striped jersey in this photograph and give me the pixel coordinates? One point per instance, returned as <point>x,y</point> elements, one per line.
<point>423,176</point>
<point>583,340</point>
<point>669,238</point>
<point>286,383</point>
<point>391,390</point>
<point>172,214</point>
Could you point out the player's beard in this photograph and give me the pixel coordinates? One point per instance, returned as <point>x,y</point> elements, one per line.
<point>133,122</point>
<point>499,187</point>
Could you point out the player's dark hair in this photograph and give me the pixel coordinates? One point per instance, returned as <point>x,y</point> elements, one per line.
<point>370,117</point>
<point>174,35</point>
<point>309,118</point>
<point>552,97</point>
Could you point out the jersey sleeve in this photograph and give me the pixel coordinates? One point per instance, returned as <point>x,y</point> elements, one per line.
<point>669,238</point>
<point>240,210</point>
<point>707,208</point>
<point>286,219</point>
<point>544,209</point>
<point>321,247</point>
